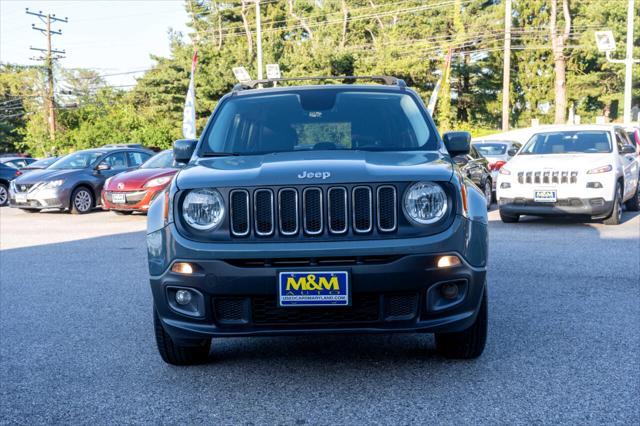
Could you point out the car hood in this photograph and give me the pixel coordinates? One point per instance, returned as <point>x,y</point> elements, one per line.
<point>45,175</point>
<point>316,167</point>
<point>136,179</point>
<point>558,162</point>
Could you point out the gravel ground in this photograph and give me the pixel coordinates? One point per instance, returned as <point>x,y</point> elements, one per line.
<point>76,343</point>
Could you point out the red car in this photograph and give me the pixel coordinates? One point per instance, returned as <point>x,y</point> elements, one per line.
<point>134,191</point>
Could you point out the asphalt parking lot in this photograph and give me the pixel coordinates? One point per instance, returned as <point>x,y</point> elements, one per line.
<point>76,341</point>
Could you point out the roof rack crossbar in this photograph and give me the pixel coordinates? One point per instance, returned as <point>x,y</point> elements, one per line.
<point>384,79</point>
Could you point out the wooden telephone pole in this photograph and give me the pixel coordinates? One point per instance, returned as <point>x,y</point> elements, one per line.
<point>51,55</point>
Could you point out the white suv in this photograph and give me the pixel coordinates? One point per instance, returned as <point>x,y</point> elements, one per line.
<point>562,170</point>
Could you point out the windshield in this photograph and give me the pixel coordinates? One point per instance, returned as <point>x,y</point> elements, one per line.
<point>489,149</point>
<point>42,164</point>
<point>163,160</point>
<point>78,160</point>
<point>319,120</point>
<point>568,142</point>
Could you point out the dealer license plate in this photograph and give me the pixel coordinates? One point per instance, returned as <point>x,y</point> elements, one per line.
<point>330,288</point>
<point>21,198</point>
<point>545,196</point>
<point>118,198</point>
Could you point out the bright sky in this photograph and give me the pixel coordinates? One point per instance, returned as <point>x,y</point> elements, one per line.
<point>109,36</point>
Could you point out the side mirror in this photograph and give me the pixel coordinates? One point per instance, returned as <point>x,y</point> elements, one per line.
<point>512,152</point>
<point>103,166</point>
<point>628,149</point>
<point>457,143</point>
<point>183,149</point>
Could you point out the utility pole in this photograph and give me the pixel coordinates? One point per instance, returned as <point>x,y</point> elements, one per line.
<point>628,73</point>
<point>506,67</point>
<point>47,19</point>
<point>609,45</point>
<point>259,39</point>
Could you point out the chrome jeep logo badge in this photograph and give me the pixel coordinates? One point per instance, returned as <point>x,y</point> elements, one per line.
<point>310,175</point>
<point>120,185</point>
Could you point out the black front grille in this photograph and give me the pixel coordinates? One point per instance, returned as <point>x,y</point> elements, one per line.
<point>364,308</point>
<point>131,197</point>
<point>231,310</point>
<point>401,306</point>
<point>263,203</point>
<point>362,212</point>
<point>314,211</point>
<point>240,214</point>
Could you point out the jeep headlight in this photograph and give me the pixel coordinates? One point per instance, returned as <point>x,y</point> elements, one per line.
<point>203,209</point>
<point>425,203</point>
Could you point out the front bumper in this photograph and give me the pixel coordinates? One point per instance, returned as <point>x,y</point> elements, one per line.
<point>596,207</point>
<point>54,198</point>
<point>393,289</point>
<point>138,200</point>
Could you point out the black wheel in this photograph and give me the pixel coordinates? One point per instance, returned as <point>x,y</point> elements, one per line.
<point>616,213</point>
<point>488,192</point>
<point>4,195</point>
<point>175,354</point>
<point>509,218</point>
<point>122,212</point>
<point>633,203</point>
<point>30,210</point>
<point>469,343</point>
<point>81,201</point>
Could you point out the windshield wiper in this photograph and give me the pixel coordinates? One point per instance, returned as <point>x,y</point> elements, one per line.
<point>220,154</point>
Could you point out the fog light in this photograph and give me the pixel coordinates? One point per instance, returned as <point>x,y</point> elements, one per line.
<point>505,185</point>
<point>449,291</point>
<point>183,297</point>
<point>595,185</point>
<point>448,261</point>
<point>182,268</point>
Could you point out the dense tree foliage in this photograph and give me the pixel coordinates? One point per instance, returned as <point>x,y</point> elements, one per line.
<point>408,39</point>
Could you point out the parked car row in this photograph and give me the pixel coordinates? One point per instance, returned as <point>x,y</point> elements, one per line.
<point>123,178</point>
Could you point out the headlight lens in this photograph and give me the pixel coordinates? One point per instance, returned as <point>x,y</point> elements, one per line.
<point>602,169</point>
<point>53,184</point>
<point>157,181</point>
<point>425,203</point>
<point>504,171</point>
<point>203,209</point>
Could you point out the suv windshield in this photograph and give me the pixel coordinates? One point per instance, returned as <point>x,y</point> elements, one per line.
<point>78,160</point>
<point>568,142</point>
<point>489,149</point>
<point>162,160</point>
<point>319,120</point>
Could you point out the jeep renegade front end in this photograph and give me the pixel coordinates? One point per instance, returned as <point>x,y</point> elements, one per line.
<point>319,209</point>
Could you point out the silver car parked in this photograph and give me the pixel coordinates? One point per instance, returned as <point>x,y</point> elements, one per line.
<point>74,182</point>
<point>497,152</point>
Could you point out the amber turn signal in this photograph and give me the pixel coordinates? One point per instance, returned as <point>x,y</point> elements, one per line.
<point>182,268</point>
<point>448,261</point>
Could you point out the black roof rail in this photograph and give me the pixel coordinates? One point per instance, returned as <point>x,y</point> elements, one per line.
<point>384,79</point>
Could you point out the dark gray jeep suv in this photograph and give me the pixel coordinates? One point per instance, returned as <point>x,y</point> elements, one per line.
<point>319,209</point>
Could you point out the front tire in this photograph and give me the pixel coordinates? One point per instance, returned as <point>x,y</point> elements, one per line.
<point>82,201</point>
<point>633,203</point>
<point>4,195</point>
<point>488,192</point>
<point>176,354</point>
<point>469,343</point>
<point>509,218</point>
<point>616,213</point>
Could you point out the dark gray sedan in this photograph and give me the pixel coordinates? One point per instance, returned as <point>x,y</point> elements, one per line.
<point>73,182</point>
